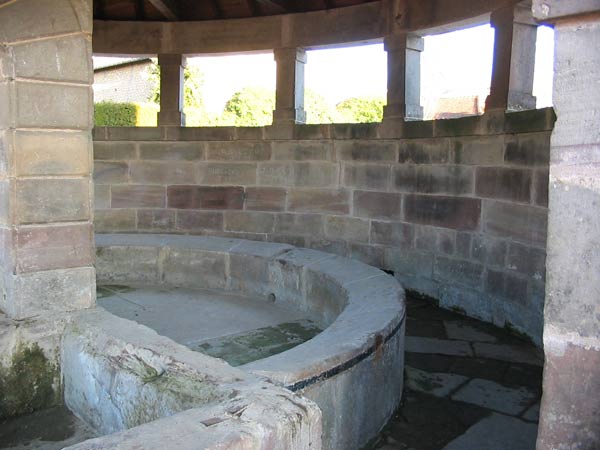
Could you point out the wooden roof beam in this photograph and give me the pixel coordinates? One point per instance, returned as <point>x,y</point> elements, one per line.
<point>168,8</point>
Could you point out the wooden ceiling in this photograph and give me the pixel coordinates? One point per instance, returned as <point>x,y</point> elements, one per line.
<point>192,10</point>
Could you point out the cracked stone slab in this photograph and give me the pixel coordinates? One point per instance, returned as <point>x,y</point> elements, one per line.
<point>512,353</point>
<point>437,346</point>
<point>465,332</point>
<point>491,395</point>
<point>434,383</point>
<point>497,432</point>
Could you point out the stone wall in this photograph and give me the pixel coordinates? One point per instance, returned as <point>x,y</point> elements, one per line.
<point>457,209</point>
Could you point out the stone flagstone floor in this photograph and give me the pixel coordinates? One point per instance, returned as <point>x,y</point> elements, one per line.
<point>468,386</point>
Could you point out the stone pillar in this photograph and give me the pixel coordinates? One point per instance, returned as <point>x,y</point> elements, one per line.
<point>289,95</point>
<point>404,77</point>
<point>171,90</point>
<point>46,233</point>
<point>570,413</point>
<point>514,59</point>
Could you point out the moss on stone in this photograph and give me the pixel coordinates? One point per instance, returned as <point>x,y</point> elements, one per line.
<point>27,384</point>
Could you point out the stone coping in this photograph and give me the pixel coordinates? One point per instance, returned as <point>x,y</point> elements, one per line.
<point>366,306</point>
<point>487,124</point>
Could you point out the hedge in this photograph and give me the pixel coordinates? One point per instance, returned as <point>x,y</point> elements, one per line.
<point>112,114</point>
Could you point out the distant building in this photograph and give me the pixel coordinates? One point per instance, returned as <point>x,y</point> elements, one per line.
<point>122,80</point>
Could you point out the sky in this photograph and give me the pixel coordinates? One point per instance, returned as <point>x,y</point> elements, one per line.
<point>453,64</point>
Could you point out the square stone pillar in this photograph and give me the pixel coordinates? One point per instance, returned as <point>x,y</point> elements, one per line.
<point>570,412</point>
<point>46,232</point>
<point>514,59</point>
<point>289,94</point>
<point>171,90</point>
<point>404,77</point>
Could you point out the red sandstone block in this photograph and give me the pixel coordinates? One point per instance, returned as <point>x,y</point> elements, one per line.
<point>446,212</point>
<point>319,200</point>
<point>205,197</point>
<point>503,183</point>
<point>137,196</point>
<point>265,199</point>
<point>378,205</point>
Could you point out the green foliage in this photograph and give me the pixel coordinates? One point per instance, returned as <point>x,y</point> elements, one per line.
<point>193,82</point>
<point>361,109</point>
<point>112,114</point>
<point>252,106</point>
<point>317,109</point>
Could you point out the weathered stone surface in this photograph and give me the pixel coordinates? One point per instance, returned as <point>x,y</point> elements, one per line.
<point>487,150</point>
<point>529,150</point>
<point>182,267</point>
<point>114,150</point>
<point>437,346</point>
<point>447,212</point>
<point>305,174</point>
<point>156,219</point>
<point>489,251</point>
<point>494,396</point>
<point>265,199</point>
<point>527,260</point>
<point>137,196</point>
<point>114,220</point>
<point>506,285</point>
<point>458,271</point>
<point>520,222</point>
<point>172,151</point>
<point>504,183</point>
<point>465,332</point>
<point>227,173</point>
<point>199,220</point>
<point>56,153</point>
<point>302,150</point>
<point>540,187</point>
<point>164,172</point>
<point>392,233</point>
<point>101,196</point>
<point>409,262</point>
<point>424,152</point>
<point>252,222</point>
<point>319,200</point>
<point>455,180</point>
<point>205,197</point>
<point>512,353</point>
<point>111,172</point>
<point>300,224</point>
<point>372,150</point>
<point>38,201</point>
<point>369,254</point>
<point>378,205</point>
<point>367,176</point>
<point>437,384</point>
<point>238,151</point>
<point>347,228</point>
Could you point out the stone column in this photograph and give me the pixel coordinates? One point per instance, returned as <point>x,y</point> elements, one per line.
<point>46,233</point>
<point>289,95</point>
<point>570,413</point>
<point>404,77</point>
<point>514,59</point>
<point>171,90</point>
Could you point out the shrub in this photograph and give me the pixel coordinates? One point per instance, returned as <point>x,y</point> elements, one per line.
<point>112,114</point>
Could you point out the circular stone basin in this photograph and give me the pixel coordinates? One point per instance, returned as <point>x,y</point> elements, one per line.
<point>352,369</point>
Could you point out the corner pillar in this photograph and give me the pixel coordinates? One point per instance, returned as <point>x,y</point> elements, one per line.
<point>171,90</point>
<point>289,94</point>
<point>404,77</point>
<point>514,59</point>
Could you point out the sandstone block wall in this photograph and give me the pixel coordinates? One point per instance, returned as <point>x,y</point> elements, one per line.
<point>457,209</point>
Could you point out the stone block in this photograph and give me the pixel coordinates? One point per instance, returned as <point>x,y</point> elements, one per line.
<point>195,268</point>
<point>249,274</point>
<point>172,151</point>
<point>238,151</point>
<point>367,176</point>
<point>347,228</point>
<point>249,133</point>
<point>275,174</point>
<point>428,345</point>
<point>433,179</point>
<point>472,301</point>
<point>540,187</point>
<point>504,183</point>
<point>409,262</point>
<point>355,130</point>
<point>137,196</point>
<point>52,200</point>
<point>457,271</point>
<point>111,172</point>
<point>51,291</point>
<point>101,196</point>
<point>114,151</point>
<point>156,219</point>
<point>425,238</point>
<point>486,151</point>
<point>199,220</point>
<point>60,59</point>
<point>523,223</point>
<point>446,241</point>
<point>506,285</point>
<point>114,220</point>
<point>56,153</point>
<point>527,260</point>
<point>31,19</point>
<point>463,245</point>
<point>227,173</point>
<point>446,212</point>
<point>53,247</point>
<point>491,395</point>
<point>528,150</point>
<point>250,222</point>
<point>319,200</point>
<point>332,246</point>
<point>425,151</point>
<point>371,150</point>
<point>199,133</point>
<point>135,133</point>
<point>56,105</point>
<point>123,264</point>
<point>315,174</point>
<point>394,234</point>
<point>489,251</point>
<point>369,254</point>
<point>163,172</point>
<point>302,150</point>
<point>205,197</point>
<point>300,224</point>
<point>316,131</point>
<point>378,205</point>
<point>529,121</point>
<point>5,196</point>
<point>265,199</point>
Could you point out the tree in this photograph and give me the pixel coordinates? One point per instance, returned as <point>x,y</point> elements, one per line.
<point>193,82</point>
<point>317,109</point>
<point>361,109</point>
<point>252,106</point>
